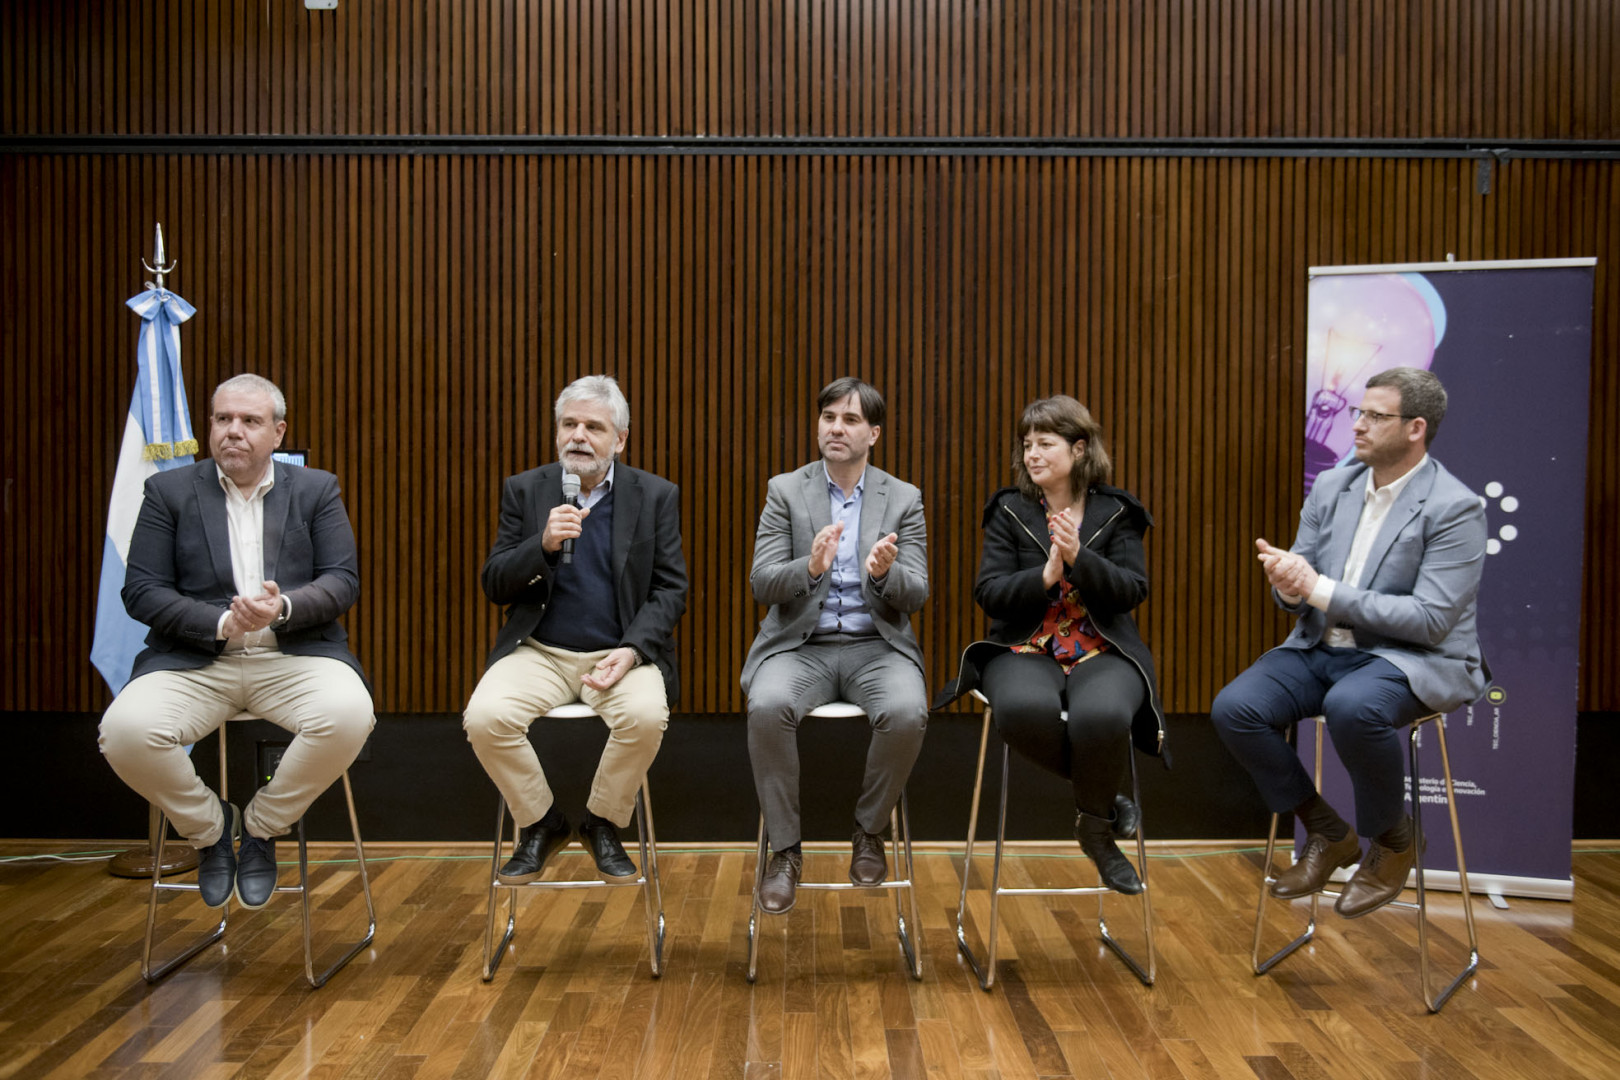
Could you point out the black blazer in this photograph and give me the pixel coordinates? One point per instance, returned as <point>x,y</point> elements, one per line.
<point>178,578</point>
<point>649,571</point>
<point>1110,571</point>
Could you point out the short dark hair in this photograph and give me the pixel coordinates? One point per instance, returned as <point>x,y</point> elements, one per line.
<point>839,389</point>
<point>1063,416</point>
<point>1421,396</point>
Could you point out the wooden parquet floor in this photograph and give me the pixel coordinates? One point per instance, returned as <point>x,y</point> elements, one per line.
<point>575,998</point>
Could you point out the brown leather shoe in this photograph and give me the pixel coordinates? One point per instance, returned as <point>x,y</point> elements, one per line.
<point>1378,880</point>
<point>867,866</point>
<point>1316,865</point>
<point>780,887</point>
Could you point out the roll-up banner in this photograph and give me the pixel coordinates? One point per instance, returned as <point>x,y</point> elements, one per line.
<point>1512,344</point>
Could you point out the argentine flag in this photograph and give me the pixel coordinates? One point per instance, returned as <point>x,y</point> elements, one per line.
<point>157,436</point>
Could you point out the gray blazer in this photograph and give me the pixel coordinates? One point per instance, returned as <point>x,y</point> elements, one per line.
<point>1416,603</point>
<point>795,510</point>
<point>179,581</point>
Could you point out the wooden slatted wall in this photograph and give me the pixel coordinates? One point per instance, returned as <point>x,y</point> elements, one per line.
<point>1041,68</point>
<point>422,310</point>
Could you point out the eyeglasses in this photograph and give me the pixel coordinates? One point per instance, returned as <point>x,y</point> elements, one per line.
<point>1372,418</point>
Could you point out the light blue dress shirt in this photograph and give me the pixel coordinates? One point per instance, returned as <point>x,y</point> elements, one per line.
<point>845,610</point>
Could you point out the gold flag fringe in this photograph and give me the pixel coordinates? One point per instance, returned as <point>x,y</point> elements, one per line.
<point>162,451</point>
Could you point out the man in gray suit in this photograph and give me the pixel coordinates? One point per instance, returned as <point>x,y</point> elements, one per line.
<point>1383,575</point>
<point>241,566</point>
<point>841,558</point>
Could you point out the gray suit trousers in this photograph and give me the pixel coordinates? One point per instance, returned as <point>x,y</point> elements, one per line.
<point>866,671</point>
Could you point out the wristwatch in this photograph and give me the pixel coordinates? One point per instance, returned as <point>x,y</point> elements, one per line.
<point>281,620</point>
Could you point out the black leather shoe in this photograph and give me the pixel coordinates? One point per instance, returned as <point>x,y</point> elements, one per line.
<point>1096,836</point>
<point>602,840</point>
<point>535,845</point>
<point>867,866</point>
<point>216,863</point>
<point>1127,817</point>
<point>1316,865</point>
<point>1378,880</point>
<point>781,885</point>
<point>255,871</point>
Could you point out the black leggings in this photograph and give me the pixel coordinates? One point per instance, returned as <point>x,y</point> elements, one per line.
<point>1028,690</point>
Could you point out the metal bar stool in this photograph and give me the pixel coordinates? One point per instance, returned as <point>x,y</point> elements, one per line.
<point>153,973</point>
<point>986,971</point>
<point>899,851</point>
<point>652,893</point>
<point>1434,1001</point>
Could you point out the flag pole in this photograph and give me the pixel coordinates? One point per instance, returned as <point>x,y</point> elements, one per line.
<point>138,862</point>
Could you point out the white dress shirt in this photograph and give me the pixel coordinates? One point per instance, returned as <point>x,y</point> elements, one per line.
<point>1376,503</point>
<point>245,516</point>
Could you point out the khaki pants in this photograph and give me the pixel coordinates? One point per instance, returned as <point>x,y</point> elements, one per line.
<point>322,701</point>
<point>535,678</point>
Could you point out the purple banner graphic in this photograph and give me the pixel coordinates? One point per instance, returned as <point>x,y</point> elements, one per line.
<point>1512,344</point>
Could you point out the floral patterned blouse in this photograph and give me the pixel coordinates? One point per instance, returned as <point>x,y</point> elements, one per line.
<point>1066,633</point>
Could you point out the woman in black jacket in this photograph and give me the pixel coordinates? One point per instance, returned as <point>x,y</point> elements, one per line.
<point>1062,570</point>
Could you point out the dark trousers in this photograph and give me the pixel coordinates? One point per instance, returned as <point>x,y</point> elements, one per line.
<point>1367,703</point>
<point>1028,691</point>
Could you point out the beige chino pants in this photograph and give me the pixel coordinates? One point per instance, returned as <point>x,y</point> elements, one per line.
<point>532,680</point>
<point>322,701</point>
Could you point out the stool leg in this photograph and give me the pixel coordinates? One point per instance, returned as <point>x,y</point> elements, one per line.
<point>652,891</point>
<point>900,830</point>
<point>148,972</point>
<point>318,981</point>
<point>303,902</point>
<point>1150,972</point>
<point>1267,878</point>
<point>1436,1002</point>
<point>967,854</point>
<point>493,953</point>
<point>988,978</point>
<point>753,914</point>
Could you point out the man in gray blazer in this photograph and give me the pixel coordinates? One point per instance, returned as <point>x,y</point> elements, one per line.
<point>241,566</point>
<point>841,559</point>
<point>593,585</point>
<point>1383,575</point>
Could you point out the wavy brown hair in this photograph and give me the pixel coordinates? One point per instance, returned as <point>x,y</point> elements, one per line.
<point>1063,416</point>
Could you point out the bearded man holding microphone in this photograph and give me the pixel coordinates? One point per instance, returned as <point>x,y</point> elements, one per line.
<point>587,562</point>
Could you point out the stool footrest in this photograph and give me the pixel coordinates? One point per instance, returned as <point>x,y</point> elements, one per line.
<point>1434,1001</point>
<point>985,970</point>
<point>152,972</point>
<point>899,846</point>
<point>647,881</point>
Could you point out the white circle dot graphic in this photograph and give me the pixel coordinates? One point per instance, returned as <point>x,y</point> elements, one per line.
<point>1509,532</point>
<point>1493,546</point>
<point>1510,504</point>
<point>1493,489</point>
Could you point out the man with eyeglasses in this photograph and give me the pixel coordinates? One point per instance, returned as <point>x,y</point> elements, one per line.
<point>1383,574</point>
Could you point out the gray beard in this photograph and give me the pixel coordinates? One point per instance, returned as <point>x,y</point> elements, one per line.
<point>594,472</point>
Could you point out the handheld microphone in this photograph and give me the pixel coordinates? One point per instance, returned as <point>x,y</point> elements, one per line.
<point>570,488</point>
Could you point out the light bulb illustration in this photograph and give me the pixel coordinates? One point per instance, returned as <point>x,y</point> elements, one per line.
<point>1359,325</point>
